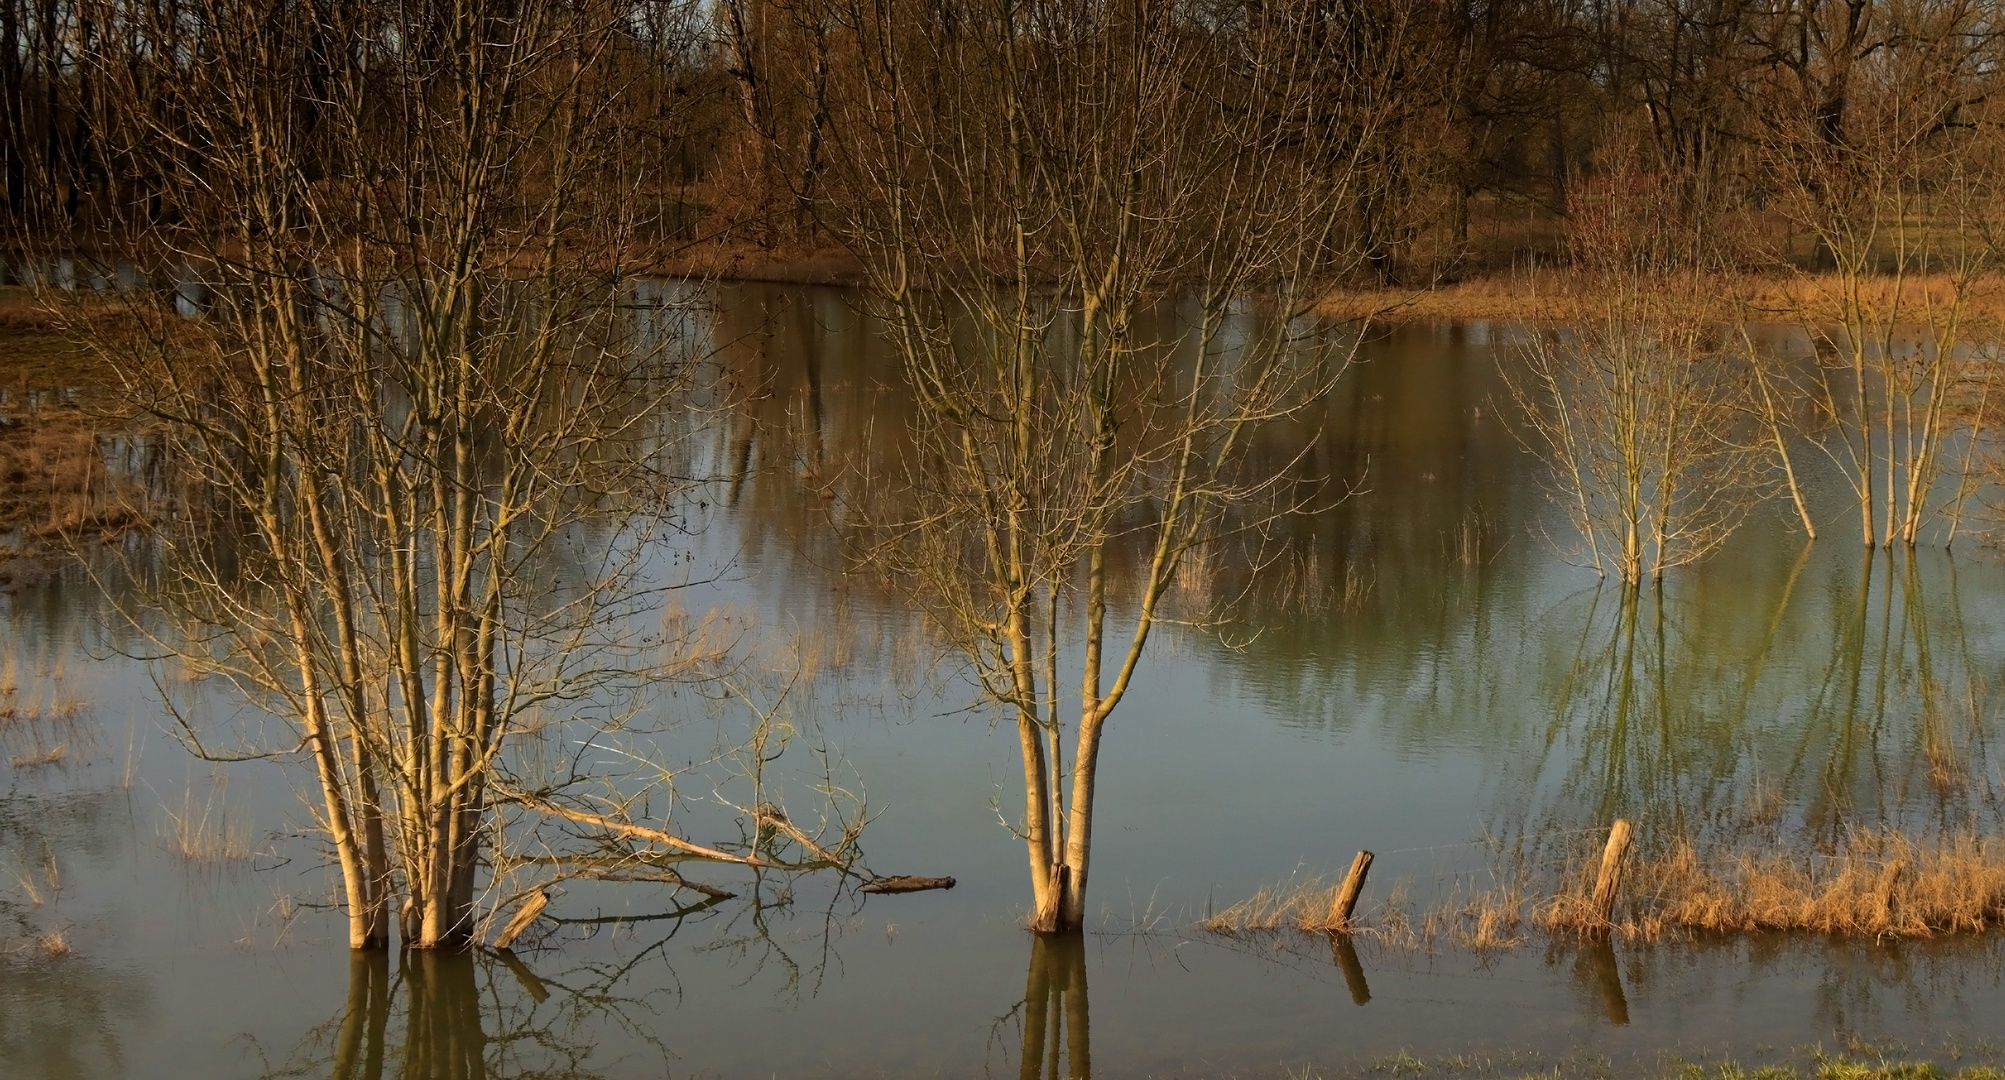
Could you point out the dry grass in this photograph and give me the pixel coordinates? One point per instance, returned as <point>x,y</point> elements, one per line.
<point>1815,1065</point>
<point>1518,295</point>
<point>1296,582</point>
<point>55,944</point>
<point>43,720</point>
<point>1293,905</point>
<point>47,757</point>
<point>205,835</point>
<point>54,484</point>
<point>1547,295</point>
<point>26,881</point>
<point>1877,884</point>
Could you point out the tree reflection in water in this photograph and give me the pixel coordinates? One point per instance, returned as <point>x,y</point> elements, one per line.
<point>458,1021</point>
<point>1856,701</point>
<point>1057,1033</point>
<point>435,1015</point>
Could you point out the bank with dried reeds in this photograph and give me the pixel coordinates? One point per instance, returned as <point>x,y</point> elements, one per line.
<point>1874,883</point>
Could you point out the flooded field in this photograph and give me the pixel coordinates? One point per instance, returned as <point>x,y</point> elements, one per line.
<point>1417,669</point>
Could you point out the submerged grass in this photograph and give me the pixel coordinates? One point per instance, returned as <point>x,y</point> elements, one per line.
<point>44,721</point>
<point>205,835</point>
<point>54,756</point>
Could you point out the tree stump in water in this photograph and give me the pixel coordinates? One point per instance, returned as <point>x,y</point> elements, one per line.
<point>1610,882</point>
<point>1345,900</point>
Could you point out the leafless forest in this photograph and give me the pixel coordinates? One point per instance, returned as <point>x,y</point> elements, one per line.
<point>1481,126</point>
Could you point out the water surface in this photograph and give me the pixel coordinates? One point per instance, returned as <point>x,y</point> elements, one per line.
<point>1418,668</point>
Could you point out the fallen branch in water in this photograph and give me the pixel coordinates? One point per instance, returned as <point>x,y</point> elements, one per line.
<point>905,883</point>
<point>631,831</point>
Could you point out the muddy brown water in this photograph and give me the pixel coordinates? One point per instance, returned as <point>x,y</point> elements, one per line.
<point>1435,672</point>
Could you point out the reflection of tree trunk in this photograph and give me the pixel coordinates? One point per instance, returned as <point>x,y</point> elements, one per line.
<point>1938,745</point>
<point>443,1038</point>
<point>1346,957</point>
<point>1848,663</point>
<point>810,345</point>
<point>1622,674</point>
<point>1597,962</point>
<point>359,1053</point>
<point>1055,1010</point>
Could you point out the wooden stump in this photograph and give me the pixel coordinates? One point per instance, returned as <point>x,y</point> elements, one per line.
<point>1346,899</point>
<point>1610,882</point>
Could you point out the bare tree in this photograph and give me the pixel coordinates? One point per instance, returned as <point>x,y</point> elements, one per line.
<point>1091,228</point>
<point>1877,151</point>
<point>1641,412</point>
<point>424,442</point>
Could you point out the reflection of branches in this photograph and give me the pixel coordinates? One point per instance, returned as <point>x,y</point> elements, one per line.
<point>749,935</point>
<point>1887,728</point>
<point>463,1017</point>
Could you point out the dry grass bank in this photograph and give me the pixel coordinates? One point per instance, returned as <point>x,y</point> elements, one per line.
<point>40,349</point>
<point>1806,1065</point>
<point>1875,884</point>
<point>1878,884</point>
<point>55,489</point>
<point>56,398</point>
<point>1547,295</point>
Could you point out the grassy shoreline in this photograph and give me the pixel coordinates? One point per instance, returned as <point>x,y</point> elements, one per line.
<point>1877,884</point>
<point>1811,1063</point>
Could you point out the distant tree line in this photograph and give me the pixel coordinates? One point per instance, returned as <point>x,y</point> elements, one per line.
<point>1489,115</point>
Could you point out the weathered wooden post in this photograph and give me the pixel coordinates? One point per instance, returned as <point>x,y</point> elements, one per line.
<point>1610,881</point>
<point>1346,899</point>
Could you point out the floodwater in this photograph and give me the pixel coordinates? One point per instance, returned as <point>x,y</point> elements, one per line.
<point>1421,668</point>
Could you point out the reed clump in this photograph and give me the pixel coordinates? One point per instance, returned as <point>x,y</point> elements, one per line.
<point>55,756</point>
<point>1292,905</point>
<point>206,835</point>
<point>1879,883</point>
<point>55,944</point>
